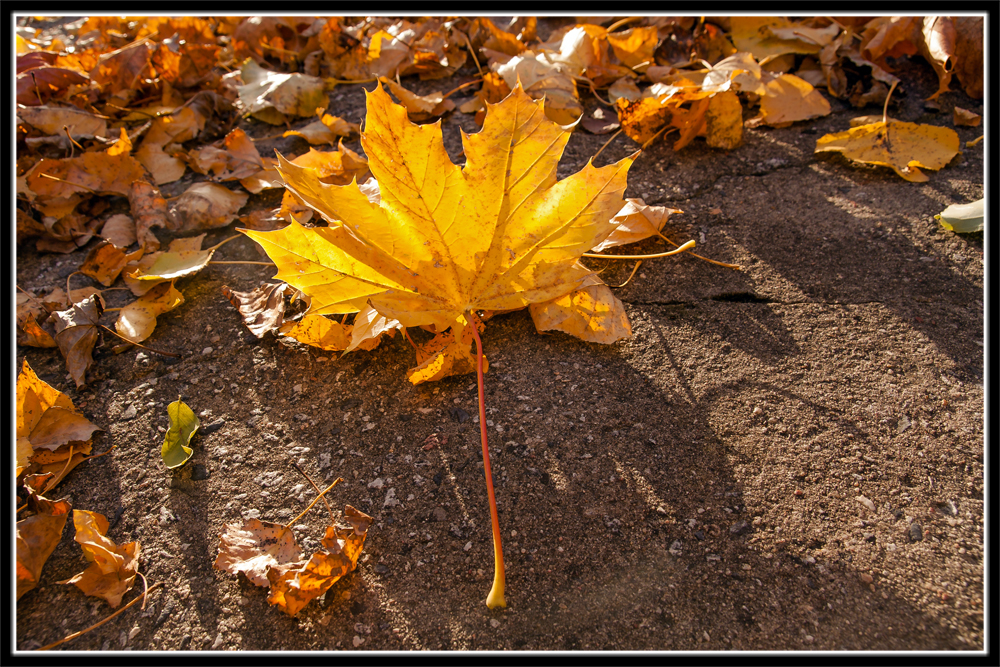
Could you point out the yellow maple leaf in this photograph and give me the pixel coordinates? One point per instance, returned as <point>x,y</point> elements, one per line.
<point>498,234</point>
<point>901,146</point>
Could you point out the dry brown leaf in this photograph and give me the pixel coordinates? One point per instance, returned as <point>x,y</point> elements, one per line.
<point>34,399</point>
<point>90,173</point>
<point>76,335</point>
<point>591,312</point>
<point>765,36</point>
<point>966,118</point>
<point>232,158</point>
<point>318,331</point>
<point>643,118</point>
<point>206,206</point>
<point>105,261</point>
<point>120,230</point>
<point>121,72</point>
<point>58,120</point>
<point>724,121</point>
<point>327,130</point>
<point>788,98</point>
<point>262,309</point>
<point>443,356</point>
<point>938,48</point>
<point>37,537</point>
<point>267,178</point>
<point>149,209</point>
<point>293,586</point>
<point>541,78</point>
<point>635,46</point>
<point>369,327</point>
<point>271,96</point>
<point>159,267</point>
<point>114,567</point>
<point>903,147</point>
<point>634,222</point>
<point>254,548</point>
<point>420,108</point>
<point>137,320</point>
<point>968,58</point>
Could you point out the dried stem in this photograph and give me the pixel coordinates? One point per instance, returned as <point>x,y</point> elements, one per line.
<point>735,267</point>
<point>224,242</point>
<point>132,342</point>
<point>495,598</point>
<point>629,279</point>
<point>885,109</point>
<point>617,24</point>
<point>306,510</point>
<point>606,144</point>
<point>234,261</point>
<point>63,180</point>
<point>689,244</point>
<point>313,484</point>
<point>100,623</point>
<point>52,483</point>
<point>464,85</point>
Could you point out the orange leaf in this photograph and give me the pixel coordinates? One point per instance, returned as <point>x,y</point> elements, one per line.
<point>37,537</point>
<point>114,566</point>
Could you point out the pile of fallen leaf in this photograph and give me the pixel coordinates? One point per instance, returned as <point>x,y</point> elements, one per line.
<point>110,109</point>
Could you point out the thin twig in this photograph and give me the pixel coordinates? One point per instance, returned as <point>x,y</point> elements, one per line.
<point>115,333</point>
<point>234,261</point>
<point>145,589</point>
<point>328,508</point>
<point>306,510</point>
<point>100,623</point>
<point>885,109</point>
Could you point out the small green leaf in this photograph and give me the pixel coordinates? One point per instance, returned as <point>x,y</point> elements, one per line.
<point>183,424</point>
<point>962,218</point>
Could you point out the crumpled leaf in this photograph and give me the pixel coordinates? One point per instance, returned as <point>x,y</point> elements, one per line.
<point>938,48</point>
<point>963,218</point>
<point>232,158</point>
<point>541,78</point>
<point>327,130</point>
<point>37,537</point>
<point>262,309</point>
<point>903,147</point>
<point>137,320</point>
<point>318,331</point>
<point>149,209</point>
<point>788,98</point>
<point>183,258</point>
<point>52,120</point>
<point>114,567</point>
<point>36,428</point>
<point>183,424</point>
<point>496,235</point>
<point>966,118</point>
<point>270,96</point>
<point>724,121</point>
<point>254,548</point>
<point>182,124</point>
<point>765,36</point>
<point>444,356</point>
<point>294,586</point>
<point>119,230</point>
<point>89,173</point>
<point>634,222</point>
<point>369,327</point>
<point>634,46</point>
<point>76,335</point>
<point>105,261</point>
<point>592,313</point>
<point>643,118</point>
<point>421,108</point>
<point>207,206</point>
<point>968,60</point>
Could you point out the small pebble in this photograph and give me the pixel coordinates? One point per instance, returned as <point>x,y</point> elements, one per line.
<point>916,532</point>
<point>376,483</point>
<point>218,642</point>
<point>467,547</point>
<point>866,502</point>
<point>867,578</point>
<point>494,623</point>
<point>799,492</point>
<point>133,632</point>
<point>208,350</point>
<point>357,641</point>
